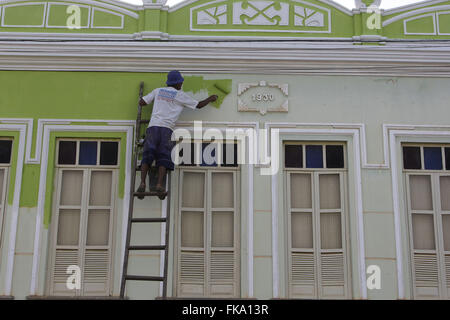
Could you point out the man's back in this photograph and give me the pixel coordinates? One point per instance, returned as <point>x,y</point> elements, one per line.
<point>168,105</point>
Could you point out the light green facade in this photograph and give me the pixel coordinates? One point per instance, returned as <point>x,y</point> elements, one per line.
<point>90,90</point>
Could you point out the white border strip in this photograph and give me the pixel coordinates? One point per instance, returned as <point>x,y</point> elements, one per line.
<point>413,13</point>
<point>16,201</point>
<point>43,182</point>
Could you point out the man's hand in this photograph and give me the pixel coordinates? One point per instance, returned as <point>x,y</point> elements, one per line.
<point>203,103</point>
<point>142,102</point>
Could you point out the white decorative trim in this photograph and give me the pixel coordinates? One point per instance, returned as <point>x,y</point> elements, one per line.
<point>109,12</point>
<point>22,128</point>
<point>67,36</point>
<point>49,4</point>
<point>275,254</point>
<point>405,27</point>
<point>22,5</point>
<point>413,13</point>
<point>250,213</point>
<point>244,107</point>
<point>47,129</point>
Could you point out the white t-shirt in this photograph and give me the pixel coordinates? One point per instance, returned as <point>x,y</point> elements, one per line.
<point>169,103</point>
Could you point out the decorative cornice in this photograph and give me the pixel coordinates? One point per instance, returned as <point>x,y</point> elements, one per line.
<point>282,57</point>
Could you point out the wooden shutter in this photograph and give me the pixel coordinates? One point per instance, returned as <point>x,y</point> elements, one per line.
<point>318,266</point>
<point>208,255</point>
<point>3,180</point>
<point>97,250</point>
<point>191,259</point>
<point>223,267</point>
<point>425,261</point>
<point>67,229</point>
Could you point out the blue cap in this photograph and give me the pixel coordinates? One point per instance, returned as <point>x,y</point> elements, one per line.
<point>174,77</point>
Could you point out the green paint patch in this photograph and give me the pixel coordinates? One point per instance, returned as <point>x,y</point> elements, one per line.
<point>221,87</point>
<point>29,192</point>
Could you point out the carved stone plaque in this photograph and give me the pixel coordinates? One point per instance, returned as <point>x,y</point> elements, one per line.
<point>263,97</point>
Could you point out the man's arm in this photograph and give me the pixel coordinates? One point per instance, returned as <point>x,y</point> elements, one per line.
<point>142,102</point>
<point>203,103</point>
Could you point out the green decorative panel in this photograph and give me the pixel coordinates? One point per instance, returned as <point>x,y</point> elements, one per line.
<point>31,14</point>
<point>106,19</point>
<point>423,24</point>
<point>59,13</point>
<point>444,23</point>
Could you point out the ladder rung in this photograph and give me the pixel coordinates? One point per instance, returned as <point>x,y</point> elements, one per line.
<point>148,194</point>
<point>147,247</point>
<point>145,121</point>
<point>149,220</point>
<point>144,278</point>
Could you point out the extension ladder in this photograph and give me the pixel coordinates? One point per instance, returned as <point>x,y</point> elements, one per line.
<point>128,247</point>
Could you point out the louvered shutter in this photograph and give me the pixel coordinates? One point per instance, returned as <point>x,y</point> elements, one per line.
<point>426,275</point>
<point>332,275</point>
<point>303,275</point>
<point>96,272</point>
<point>63,259</point>
<point>192,273</point>
<point>222,273</point>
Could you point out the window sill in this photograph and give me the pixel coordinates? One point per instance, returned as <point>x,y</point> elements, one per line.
<point>75,298</point>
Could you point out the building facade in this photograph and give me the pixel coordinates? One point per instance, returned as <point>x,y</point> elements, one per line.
<point>329,148</point>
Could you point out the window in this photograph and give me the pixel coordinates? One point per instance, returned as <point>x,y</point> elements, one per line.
<point>316,207</point>
<point>428,204</point>
<point>5,160</point>
<point>83,217</point>
<point>208,231</point>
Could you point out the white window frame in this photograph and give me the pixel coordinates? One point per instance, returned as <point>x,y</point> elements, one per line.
<point>437,213</point>
<point>3,196</point>
<point>316,211</point>
<point>84,209</point>
<point>207,216</point>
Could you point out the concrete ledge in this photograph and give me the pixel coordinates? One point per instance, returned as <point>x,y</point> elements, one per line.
<point>6,297</point>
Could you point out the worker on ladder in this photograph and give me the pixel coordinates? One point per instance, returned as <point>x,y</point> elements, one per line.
<point>158,144</point>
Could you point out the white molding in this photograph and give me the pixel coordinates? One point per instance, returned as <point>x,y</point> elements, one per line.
<point>411,6</point>
<point>109,12</point>
<point>405,28</point>
<point>294,58</point>
<point>22,128</point>
<point>49,4</point>
<point>47,129</point>
<point>22,5</point>
<point>275,254</point>
<point>413,13</point>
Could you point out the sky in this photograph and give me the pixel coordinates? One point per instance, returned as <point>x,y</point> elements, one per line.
<point>385,4</point>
